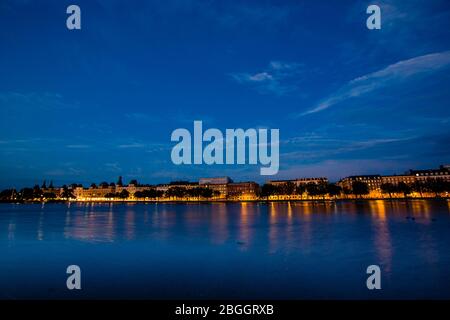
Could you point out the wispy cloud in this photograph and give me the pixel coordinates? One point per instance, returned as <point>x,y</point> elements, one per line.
<point>113,167</point>
<point>392,74</point>
<point>337,169</point>
<point>78,146</point>
<point>131,145</point>
<point>276,78</point>
<point>316,147</point>
<point>238,14</point>
<point>137,116</point>
<point>64,172</point>
<point>28,100</point>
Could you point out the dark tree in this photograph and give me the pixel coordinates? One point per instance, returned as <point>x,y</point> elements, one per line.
<point>404,188</point>
<point>334,190</point>
<point>360,188</point>
<point>388,188</point>
<point>104,185</point>
<point>194,192</point>
<point>49,195</point>
<point>67,193</point>
<point>7,194</point>
<point>269,190</point>
<point>176,192</point>
<point>206,193</point>
<point>347,191</point>
<point>140,194</point>
<point>420,187</point>
<point>37,192</point>
<point>314,189</point>
<point>436,185</point>
<point>322,189</point>
<point>124,194</point>
<point>27,194</point>
<point>179,182</point>
<point>150,193</point>
<point>287,188</point>
<point>300,189</point>
<point>110,195</point>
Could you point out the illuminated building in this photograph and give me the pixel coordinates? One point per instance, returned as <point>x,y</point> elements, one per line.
<point>373,182</point>
<point>219,180</point>
<point>299,181</point>
<point>242,191</point>
<point>442,173</point>
<point>217,184</point>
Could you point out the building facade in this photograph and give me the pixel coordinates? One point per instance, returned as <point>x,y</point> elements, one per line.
<point>242,191</point>
<point>299,181</point>
<point>211,181</point>
<point>218,184</point>
<point>373,182</point>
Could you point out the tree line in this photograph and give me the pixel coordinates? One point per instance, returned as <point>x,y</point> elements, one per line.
<point>435,186</point>
<point>311,190</point>
<point>41,193</point>
<point>357,189</point>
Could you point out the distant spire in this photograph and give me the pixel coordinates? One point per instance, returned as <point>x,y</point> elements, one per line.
<point>44,185</point>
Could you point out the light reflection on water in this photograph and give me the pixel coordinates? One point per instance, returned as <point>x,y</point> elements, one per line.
<point>289,247</point>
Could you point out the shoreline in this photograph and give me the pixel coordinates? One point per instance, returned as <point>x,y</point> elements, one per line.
<point>225,201</point>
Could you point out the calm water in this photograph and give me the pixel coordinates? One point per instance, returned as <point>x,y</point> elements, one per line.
<point>292,250</point>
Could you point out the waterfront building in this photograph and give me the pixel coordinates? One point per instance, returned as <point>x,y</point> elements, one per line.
<point>396,179</point>
<point>443,172</point>
<point>412,176</point>
<point>218,184</point>
<point>299,181</point>
<point>91,193</point>
<point>220,188</point>
<point>179,184</point>
<point>131,189</point>
<point>231,190</point>
<point>56,191</point>
<point>242,191</point>
<point>218,180</point>
<point>227,189</point>
<point>373,182</point>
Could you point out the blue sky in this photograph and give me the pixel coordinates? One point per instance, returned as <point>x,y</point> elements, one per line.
<point>89,105</point>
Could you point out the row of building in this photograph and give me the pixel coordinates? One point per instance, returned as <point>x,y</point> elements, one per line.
<point>374,182</point>
<point>226,188</point>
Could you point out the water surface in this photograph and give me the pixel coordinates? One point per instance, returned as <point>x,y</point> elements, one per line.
<point>289,250</point>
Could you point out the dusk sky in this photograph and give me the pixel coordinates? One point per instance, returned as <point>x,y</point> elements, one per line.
<point>92,104</point>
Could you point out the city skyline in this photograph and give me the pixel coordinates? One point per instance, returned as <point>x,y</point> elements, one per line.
<point>91,104</point>
<point>417,180</point>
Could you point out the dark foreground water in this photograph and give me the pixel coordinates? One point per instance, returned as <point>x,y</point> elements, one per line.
<point>297,250</point>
